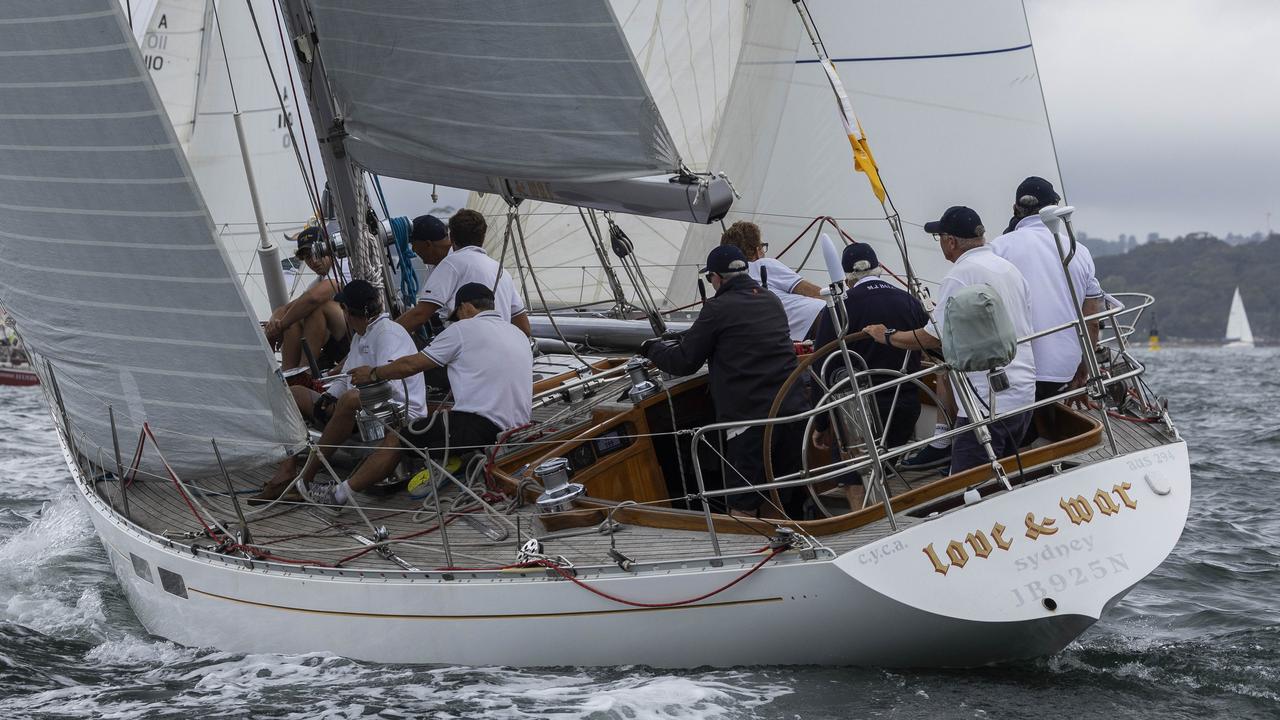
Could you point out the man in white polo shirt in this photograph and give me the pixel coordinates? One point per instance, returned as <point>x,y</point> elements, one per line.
<point>490,368</point>
<point>377,339</point>
<point>800,298</point>
<point>960,234</point>
<point>1030,246</point>
<point>467,263</point>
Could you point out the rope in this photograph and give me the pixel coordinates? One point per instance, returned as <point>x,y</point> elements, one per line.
<point>401,228</point>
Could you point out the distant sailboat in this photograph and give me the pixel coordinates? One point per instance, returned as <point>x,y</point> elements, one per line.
<point>1239,334</point>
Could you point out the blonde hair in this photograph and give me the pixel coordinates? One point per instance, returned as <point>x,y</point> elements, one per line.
<point>743,235</point>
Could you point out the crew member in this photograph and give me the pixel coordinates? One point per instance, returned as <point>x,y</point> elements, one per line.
<point>871,300</point>
<point>800,298</point>
<point>468,263</point>
<point>742,332</point>
<point>429,238</point>
<point>490,368</point>
<point>376,339</point>
<point>1032,248</point>
<point>960,234</point>
<point>313,315</point>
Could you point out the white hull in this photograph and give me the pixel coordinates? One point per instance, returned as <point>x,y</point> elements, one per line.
<point>884,604</point>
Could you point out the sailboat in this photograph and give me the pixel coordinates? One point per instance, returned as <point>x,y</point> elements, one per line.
<point>590,538</point>
<point>1239,334</point>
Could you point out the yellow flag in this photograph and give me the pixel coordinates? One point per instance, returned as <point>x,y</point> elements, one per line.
<point>863,161</point>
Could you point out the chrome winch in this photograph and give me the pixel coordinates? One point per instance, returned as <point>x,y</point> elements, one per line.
<point>378,409</point>
<point>558,493</point>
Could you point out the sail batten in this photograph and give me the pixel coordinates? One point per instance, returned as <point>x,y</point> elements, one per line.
<point>88,269</point>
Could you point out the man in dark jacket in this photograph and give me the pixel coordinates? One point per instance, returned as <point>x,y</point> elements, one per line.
<point>743,333</point>
<point>872,301</point>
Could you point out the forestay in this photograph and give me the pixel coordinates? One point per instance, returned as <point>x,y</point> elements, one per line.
<point>687,51</point>
<point>108,260</point>
<point>947,93</point>
<point>479,93</point>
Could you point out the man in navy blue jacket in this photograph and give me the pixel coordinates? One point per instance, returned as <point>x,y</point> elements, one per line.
<point>742,332</point>
<point>872,301</point>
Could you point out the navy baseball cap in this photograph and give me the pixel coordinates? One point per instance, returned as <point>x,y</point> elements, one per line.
<point>306,237</point>
<point>859,257</point>
<point>359,297</point>
<point>467,293</point>
<point>1035,192</point>
<point>725,259</point>
<point>428,228</point>
<point>959,221</point>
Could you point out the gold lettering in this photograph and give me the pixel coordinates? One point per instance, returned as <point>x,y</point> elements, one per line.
<point>978,541</point>
<point>1044,527</point>
<point>955,551</point>
<point>1120,490</point>
<point>933,558</point>
<point>1077,509</point>
<point>997,534</point>
<point>1105,504</point>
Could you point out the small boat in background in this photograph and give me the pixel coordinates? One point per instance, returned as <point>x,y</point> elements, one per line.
<point>15,365</point>
<point>1239,334</point>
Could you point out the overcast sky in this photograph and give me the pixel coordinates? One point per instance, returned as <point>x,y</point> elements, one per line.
<point>1166,114</point>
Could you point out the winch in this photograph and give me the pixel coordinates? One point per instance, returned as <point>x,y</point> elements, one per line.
<point>642,386</point>
<point>558,493</point>
<point>378,409</point>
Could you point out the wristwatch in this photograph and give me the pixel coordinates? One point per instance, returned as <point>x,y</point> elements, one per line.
<point>888,334</point>
<point>373,375</point>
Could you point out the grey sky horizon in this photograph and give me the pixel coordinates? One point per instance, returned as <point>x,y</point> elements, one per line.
<point>1164,113</point>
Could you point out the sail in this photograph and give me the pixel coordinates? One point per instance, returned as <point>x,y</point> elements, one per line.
<point>172,36</point>
<point>1239,334</point>
<point>949,98</point>
<point>109,262</point>
<point>202,94</point>
<point>687,52</point>
<point>483,94</point>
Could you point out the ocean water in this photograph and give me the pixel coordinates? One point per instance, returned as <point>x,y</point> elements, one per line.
<point>1199,638</point>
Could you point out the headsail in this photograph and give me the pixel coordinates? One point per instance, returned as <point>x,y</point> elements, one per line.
<point>687,52</point>
<point>947,91</point>
<point>108,260</point>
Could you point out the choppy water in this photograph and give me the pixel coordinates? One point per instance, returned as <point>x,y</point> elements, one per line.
<point>1200,638</point>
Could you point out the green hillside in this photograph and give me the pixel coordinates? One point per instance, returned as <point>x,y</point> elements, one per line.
<point>1193,279</point>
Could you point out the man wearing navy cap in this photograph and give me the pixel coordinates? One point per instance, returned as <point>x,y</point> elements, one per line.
<point>490,368</point>
<point>870,300</point>
<point>429,238</point>
<point>742,332</point>
<point>376,339</point>
<point>314,315</point>
<point>1030,246</point>
<point>960,234</point>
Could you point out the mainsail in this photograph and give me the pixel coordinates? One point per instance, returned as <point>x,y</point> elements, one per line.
<point>687,52</point>
<point>948,94</point>
<point>207,64</point>
<point>1239,334</point>
<point>109,262</point>
<point>483,94</point>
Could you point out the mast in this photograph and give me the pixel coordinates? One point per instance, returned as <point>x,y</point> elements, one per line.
<point>350,199</point>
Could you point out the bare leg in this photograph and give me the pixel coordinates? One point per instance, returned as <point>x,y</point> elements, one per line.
<point>316,332</point>
<point>335,322</point>
<point>291,346</point>
<point>338,429</point>
<point>377,466</point>
<point>288,470</point>
<point>856,495</point>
